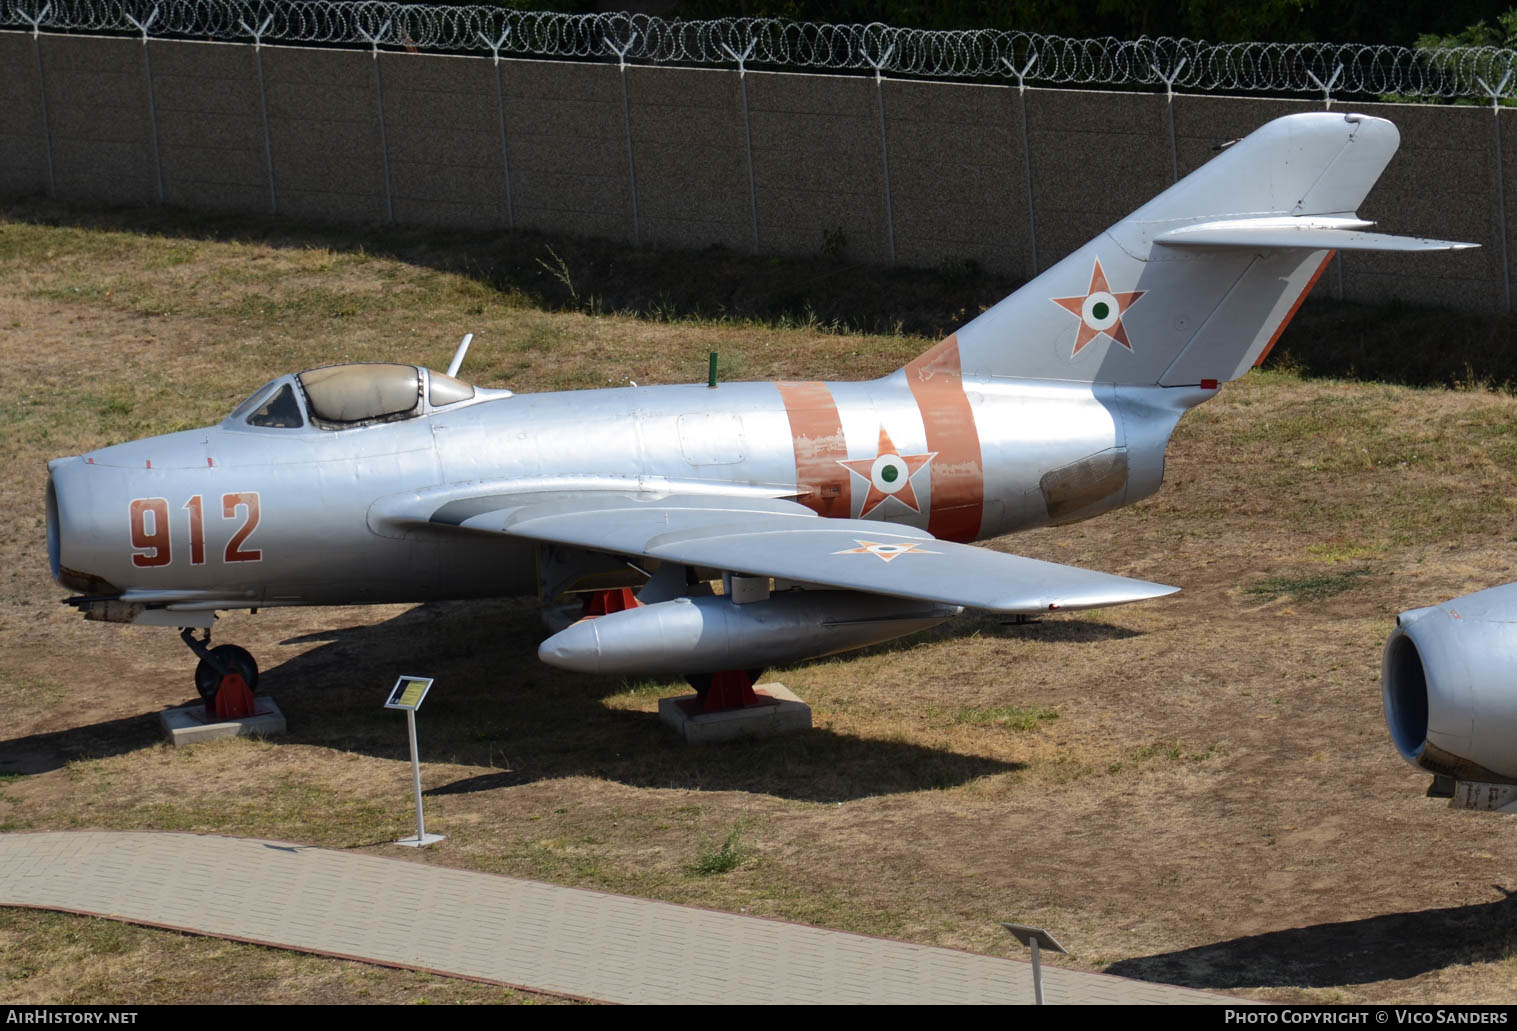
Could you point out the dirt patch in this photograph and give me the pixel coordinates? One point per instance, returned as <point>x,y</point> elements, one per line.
<point>1208,797</point>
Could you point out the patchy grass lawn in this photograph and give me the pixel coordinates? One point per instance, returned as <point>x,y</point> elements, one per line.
<point>1198,790</point>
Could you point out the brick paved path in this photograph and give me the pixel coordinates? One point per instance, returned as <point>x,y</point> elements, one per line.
<point>566,941</point>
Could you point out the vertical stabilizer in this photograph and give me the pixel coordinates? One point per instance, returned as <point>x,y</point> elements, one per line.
<point>1198,283</point>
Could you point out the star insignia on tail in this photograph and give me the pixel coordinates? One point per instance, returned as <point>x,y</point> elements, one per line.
<point>1100,311</point>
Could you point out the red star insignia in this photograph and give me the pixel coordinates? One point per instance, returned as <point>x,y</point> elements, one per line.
<point>889,475</point>
<point>885,551</point>
<point>1100,311</point>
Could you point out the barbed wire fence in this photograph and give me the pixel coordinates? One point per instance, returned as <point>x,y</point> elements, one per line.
<point>996,54</point>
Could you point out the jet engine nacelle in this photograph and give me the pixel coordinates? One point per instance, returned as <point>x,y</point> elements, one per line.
<point>1449,683</point>
<point>710,634</point>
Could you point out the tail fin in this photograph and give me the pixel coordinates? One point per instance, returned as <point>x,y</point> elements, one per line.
<point>1198,283</point>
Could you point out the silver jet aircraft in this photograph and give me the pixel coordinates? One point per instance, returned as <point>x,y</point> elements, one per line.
<point>837,515</point>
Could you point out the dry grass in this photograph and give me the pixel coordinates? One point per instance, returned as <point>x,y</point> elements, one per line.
<point>61,959</point>
<point>1197,790</point>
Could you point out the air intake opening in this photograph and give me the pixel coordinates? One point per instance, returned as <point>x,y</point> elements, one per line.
<point>1404,685</point>
<point>52,529</point>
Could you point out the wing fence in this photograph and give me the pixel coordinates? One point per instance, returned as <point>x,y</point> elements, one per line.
<point>973,54</point>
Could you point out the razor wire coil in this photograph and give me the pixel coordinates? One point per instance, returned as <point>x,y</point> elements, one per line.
<point>976,54</point>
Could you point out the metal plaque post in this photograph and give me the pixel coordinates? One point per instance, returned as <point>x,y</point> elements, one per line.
<point>1036,939</point>
<point>408,694</point>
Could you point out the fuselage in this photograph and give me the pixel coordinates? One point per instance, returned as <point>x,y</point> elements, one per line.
<point>249,515</point>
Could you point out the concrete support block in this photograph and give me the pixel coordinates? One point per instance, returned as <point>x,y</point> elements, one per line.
<point>189,724</point>
<point>779,712</point>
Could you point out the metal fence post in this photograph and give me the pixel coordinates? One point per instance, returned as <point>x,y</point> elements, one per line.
<point>1327,105</point>
<point>1169,110</point>
<point>621,63</point>
<point>879,96</point>
<point>47,132</point>
<point>263,105</point>
<point>152,103</point>
<point>1495,95</point>
<point>1032,222</point>
<point>500,110</point>
<point>742,82</point>
<point>379,99</point>
<point>1327,87</point>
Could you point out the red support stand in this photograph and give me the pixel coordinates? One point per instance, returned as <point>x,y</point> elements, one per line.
<point>233,699</point>
<point>603,603</point>
<point>730,689</point>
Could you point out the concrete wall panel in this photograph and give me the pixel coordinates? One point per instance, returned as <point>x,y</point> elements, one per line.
<point>958,189</point>
<point>689,150</point>
<point>324,125</point>
<point>210,126</point>
<point>1095,158</point>
<point>442,120</point>
<point>23,167</point>
<point>567,144</point>
<point>818,163</point>
<point>97,108</point>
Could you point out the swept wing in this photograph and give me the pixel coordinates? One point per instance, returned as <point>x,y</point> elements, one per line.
<point>776,537</point>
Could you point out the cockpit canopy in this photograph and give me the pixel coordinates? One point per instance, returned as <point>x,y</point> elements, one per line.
<point>371,392</point>
<point>343,396</point>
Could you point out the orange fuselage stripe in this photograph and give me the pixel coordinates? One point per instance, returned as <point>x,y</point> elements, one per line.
<point>1292,313</point>
<point>958,474</point>
<point>817,431</point>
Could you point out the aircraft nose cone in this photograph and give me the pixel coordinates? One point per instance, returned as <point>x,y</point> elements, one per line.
<point>71,527</point>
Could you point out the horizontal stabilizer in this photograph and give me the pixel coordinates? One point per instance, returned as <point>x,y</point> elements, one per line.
<point>1307,233</point>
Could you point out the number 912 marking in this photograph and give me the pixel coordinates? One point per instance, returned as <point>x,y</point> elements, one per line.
<point>152,534</point>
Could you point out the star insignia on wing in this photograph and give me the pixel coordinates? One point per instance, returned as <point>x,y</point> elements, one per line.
<point>1100,311</point>
<point>889,474</point>
<point>885,551</point>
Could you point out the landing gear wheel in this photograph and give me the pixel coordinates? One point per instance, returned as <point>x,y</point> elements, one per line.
<point>235,660</point>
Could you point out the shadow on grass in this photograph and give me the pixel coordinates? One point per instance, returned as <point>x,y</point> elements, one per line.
<point>494,706</point>
<point>1391,342</point>
<point>1393,947</point>
<point>39,753</point>
<point>564,273</point>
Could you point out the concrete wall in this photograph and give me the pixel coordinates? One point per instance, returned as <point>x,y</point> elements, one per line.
<point>664,155</point>
<point>690,156</point>
<point>97,109</point>
<point>957,180</point>
<point>323,112</point>
<point>210,130</point>
<point>23,152</point>
<point>568,146</point>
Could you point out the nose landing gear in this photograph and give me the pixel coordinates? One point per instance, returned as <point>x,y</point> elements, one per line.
<point>226,675</point>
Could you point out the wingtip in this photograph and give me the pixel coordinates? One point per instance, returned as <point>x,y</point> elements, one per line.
<point>1132,591</point>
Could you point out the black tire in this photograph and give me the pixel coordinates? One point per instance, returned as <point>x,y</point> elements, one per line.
<point>208,680</point>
